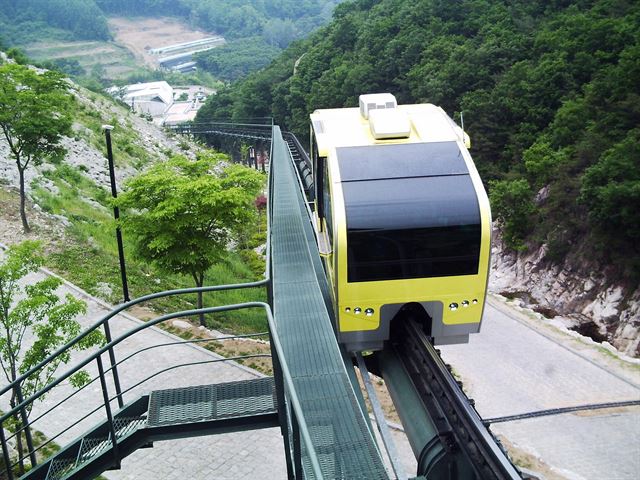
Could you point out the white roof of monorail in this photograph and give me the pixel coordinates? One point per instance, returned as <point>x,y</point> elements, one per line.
<point>346,127</point>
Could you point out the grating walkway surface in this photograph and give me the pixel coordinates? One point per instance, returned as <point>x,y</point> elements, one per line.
<point>212,402</point>
<point>339,432</point>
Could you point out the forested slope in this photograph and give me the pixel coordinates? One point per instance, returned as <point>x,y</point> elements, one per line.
<point>550,93</point>
<point>32,20</point>
<point>256,30</point>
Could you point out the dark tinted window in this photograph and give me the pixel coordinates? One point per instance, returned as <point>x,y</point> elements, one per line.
<point>413,253</point>
<point>412,227</point>
<point>327,202</point>
<point>401,203</point>
<point>376,162</point>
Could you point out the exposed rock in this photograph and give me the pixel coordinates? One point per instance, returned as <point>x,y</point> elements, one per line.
<point>578,298</point>
<point>181,324</point>
<point>104,290</point>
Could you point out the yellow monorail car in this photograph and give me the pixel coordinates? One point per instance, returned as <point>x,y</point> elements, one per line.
<point>402,220</point>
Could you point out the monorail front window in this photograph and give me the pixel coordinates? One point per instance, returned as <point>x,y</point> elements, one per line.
<point>412,228</point>
<point>413,253</point>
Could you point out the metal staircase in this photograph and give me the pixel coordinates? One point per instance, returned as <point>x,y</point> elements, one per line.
<point>164,415</point>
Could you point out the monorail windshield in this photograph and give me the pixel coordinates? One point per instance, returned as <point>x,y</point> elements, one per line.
<point>417,227</point>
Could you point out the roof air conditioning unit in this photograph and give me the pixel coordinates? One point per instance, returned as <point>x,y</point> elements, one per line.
<point>376,101</point>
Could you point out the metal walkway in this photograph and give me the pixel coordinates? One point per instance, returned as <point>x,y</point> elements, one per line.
<point>338,429</point>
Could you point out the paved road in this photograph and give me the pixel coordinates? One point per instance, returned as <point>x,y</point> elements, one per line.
<point>511,367</point>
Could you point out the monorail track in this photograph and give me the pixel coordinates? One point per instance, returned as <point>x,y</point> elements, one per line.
<point>459,444</point>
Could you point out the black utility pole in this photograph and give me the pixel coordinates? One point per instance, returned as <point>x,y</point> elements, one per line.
<point>116,212</point>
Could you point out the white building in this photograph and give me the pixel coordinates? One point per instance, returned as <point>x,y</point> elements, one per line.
<point>167,105</point>
<point>153,98</point>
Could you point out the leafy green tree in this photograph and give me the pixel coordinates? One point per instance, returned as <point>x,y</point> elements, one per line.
<point>18,56</point>
<point>611,189</point>
<point>35,322</point>
<point>184,213</point>
<point>541,161</point>
<point>237,58</point>
<point>34,115</point>
<point>512,205</point>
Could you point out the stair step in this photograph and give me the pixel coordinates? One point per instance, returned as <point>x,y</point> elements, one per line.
<point>59,467</point>
<point>126,425</point>
<point>92,447</point>
<point>212,402</point>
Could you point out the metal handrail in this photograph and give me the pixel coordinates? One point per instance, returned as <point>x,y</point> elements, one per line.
<point>125,306</point>
<point>293,398</point>
<point>192,364</point>
<point>107,370</point>
<point>245,122</point>
<point>105,348</point>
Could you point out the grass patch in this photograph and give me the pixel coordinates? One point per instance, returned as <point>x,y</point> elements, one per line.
<point>89,258</point>
<point>125,140</point>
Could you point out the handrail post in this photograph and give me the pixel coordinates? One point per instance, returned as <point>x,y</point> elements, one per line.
<point>282,408</point>
<point>5,453</point>
<point>114,365</point>
<point>297,450</point>
<point>107,407</point>
<point>25,427</point>
<point>116,213</point>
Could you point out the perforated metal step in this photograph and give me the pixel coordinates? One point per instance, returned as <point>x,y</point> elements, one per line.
<point>212,402</point>
<point>60,467</point>
<point>91,447</point>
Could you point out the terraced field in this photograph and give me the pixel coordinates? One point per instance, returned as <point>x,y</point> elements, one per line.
<point>115,59</point>
<point>129,50</point>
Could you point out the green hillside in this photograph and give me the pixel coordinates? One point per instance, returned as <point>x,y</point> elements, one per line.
<point>23,21</point>
<point>550,93</point>
<point>256,30</point>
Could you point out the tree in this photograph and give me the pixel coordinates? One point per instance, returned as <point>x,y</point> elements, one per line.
<point>35,311</point>
<point>512,205</point>
<point>611,189</point>
<point>34,115</point>
<point>184,213</point>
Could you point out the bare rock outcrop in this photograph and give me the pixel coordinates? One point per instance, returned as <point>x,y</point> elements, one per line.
<point>592,303</point>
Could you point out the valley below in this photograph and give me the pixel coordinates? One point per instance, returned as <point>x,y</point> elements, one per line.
<point>128,53</point>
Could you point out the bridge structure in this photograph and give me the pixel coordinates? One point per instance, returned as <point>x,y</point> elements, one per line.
<point>313,396</point>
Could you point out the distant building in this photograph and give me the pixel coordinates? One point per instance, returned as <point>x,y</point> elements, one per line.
<point>167,105</point>
<point>152,98</point>
<point>179,57</point>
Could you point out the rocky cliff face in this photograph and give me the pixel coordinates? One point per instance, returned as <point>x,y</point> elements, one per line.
<point>592,304</point>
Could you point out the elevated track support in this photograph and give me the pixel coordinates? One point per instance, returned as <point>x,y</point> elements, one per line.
<point>445,431</point>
